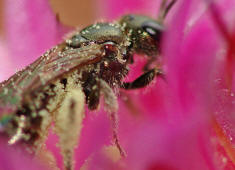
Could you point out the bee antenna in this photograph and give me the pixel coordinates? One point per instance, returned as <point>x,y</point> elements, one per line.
<point>164,9</point>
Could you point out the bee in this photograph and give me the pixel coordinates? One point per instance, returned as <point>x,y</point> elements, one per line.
<point>91,63</point>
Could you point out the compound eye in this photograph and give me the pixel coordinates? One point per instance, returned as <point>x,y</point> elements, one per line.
<point>154,29</point>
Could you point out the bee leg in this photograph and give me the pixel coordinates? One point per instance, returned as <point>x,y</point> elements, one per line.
<point>91,90</point>
<point>142,80</point>
<point>111,106</point>
<point>110,101</point>
<point>94,97</point>
<point>68,123</point>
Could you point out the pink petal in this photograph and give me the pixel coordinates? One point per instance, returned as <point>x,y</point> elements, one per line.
<point>6,69</point>
<point>151,146</point>
<point>117,8</point>
<point>191,64</point>
<point>224,98</point>
<point>31,28</point>
<point>171,147</point>
<point>95,134</point>
<point>14,158</point>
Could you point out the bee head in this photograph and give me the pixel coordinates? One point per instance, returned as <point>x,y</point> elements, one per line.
<point>144,33</point>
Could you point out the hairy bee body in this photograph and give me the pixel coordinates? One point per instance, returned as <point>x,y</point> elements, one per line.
<point>56,87</point>
<point>94,60</point>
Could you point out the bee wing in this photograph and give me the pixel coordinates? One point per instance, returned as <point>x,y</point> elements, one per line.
<point>58,63</point>
<point>51,65</point>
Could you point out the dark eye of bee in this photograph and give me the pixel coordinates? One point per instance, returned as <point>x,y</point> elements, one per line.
<point>154,29</point>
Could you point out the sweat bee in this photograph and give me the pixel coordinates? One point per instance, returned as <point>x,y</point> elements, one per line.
<point>91,63</point>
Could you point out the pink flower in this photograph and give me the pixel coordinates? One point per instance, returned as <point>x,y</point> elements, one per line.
<point>185,122</point>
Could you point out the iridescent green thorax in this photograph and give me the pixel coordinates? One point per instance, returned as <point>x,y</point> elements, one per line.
<point>99,33</point>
